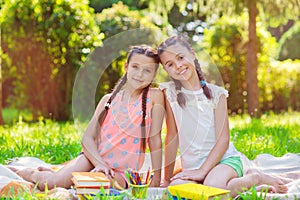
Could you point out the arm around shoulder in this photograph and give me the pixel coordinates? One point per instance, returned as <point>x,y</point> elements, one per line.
<point>171,143</point>
<point>155,143</point>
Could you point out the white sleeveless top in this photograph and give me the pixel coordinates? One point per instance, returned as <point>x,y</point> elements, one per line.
<point>195,123</point>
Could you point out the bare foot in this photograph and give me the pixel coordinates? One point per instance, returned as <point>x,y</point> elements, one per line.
<point>265,188</point>
<point>14,169</point>
<point>26,174</point>
<point>277,182</point>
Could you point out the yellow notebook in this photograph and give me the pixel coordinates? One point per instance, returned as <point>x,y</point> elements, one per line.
<point>197,191</point>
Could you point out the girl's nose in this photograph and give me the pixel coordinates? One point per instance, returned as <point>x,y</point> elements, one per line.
<point>178,65</point>
<point>140,73</point>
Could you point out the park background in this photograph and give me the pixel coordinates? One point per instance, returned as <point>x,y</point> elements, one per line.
<point>253,45</point>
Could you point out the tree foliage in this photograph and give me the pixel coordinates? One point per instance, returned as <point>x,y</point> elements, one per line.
<point>46,41</point>
<point>99,5</point>
<point>289,43</point>
<point>269,12</point>
<point>226,43</point>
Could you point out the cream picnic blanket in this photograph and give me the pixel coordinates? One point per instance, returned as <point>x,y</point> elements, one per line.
<point>9,179</point>
<point>285,165</point>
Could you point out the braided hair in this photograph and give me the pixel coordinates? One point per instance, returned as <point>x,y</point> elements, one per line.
<point>142,50</point>
<point>180,96</point>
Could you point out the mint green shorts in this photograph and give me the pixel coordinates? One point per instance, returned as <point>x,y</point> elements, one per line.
<point>234,162</point>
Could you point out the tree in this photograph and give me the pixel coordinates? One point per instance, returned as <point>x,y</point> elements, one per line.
<point>226,41</point>
<point>99,5</point>
<point>47,42</point>
<point>1,117</point>
<point>272,13</point>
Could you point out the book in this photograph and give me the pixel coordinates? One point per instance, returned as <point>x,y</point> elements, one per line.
<point>94,180</point>
<point>87,190</point>
<point>197,191</point>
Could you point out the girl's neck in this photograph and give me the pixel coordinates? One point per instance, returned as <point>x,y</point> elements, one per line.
<point>130,95</point>
<point>192,83</point>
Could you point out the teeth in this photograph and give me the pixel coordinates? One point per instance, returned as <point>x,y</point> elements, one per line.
<point>182,71</point>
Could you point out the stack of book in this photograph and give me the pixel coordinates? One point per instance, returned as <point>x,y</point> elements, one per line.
<point>89,182</point>
<point>197,191</point>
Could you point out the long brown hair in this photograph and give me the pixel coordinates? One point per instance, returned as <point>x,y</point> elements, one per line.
<point>142,50</point>
<point>180,96</point>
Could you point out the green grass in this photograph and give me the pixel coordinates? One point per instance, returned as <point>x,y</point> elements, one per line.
<point>273,134</point>
<point>50,141</point>
<point>56,142</point>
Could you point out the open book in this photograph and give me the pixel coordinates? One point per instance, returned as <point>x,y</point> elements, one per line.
<point>197,191</point>
<point>90,180</point>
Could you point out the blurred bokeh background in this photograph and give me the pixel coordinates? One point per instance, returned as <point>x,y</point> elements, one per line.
<point>252,46</point>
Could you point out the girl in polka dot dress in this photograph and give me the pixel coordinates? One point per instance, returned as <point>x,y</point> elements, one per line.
<point>125,122</point>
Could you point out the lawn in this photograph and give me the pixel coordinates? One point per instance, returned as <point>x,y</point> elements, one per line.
<point>57,142</point>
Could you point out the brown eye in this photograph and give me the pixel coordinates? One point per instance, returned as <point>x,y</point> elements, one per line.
<point>170,65</point>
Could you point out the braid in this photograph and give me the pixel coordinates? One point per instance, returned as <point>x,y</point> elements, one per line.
<point>118,87</point>
<point>143,124</point>
<point>180,96</point>
<point>206,90</point>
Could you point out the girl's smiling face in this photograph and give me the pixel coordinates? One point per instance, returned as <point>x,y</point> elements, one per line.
<point>178,62</point>
<point>141,71</point>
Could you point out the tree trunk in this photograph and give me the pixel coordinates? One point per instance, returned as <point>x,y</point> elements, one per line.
<point>252,62</point>
<point>1,117</point>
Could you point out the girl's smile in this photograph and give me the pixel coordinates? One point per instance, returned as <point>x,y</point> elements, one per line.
<point>182,71</point>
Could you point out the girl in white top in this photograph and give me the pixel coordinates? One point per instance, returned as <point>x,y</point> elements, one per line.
<point>197,122</point>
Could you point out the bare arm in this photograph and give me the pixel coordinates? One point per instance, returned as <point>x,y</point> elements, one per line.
<point>90,137</point>
<point>155,143</point>
<point>171,144</point>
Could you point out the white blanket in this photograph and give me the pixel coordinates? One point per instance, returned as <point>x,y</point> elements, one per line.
<point>285,165</point>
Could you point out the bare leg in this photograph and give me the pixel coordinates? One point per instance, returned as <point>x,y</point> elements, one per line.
<point>220,177</point>
<point>42,168</point>
<point>290,175</point>
<point>61,178</point>
<point>180,181</point>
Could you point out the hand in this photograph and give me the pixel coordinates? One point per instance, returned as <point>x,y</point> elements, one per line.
<point>105,169</point>
<point>193,175</point>
<point>165,184</point>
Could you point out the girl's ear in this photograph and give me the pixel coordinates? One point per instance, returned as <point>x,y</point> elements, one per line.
<point>126,66</point>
